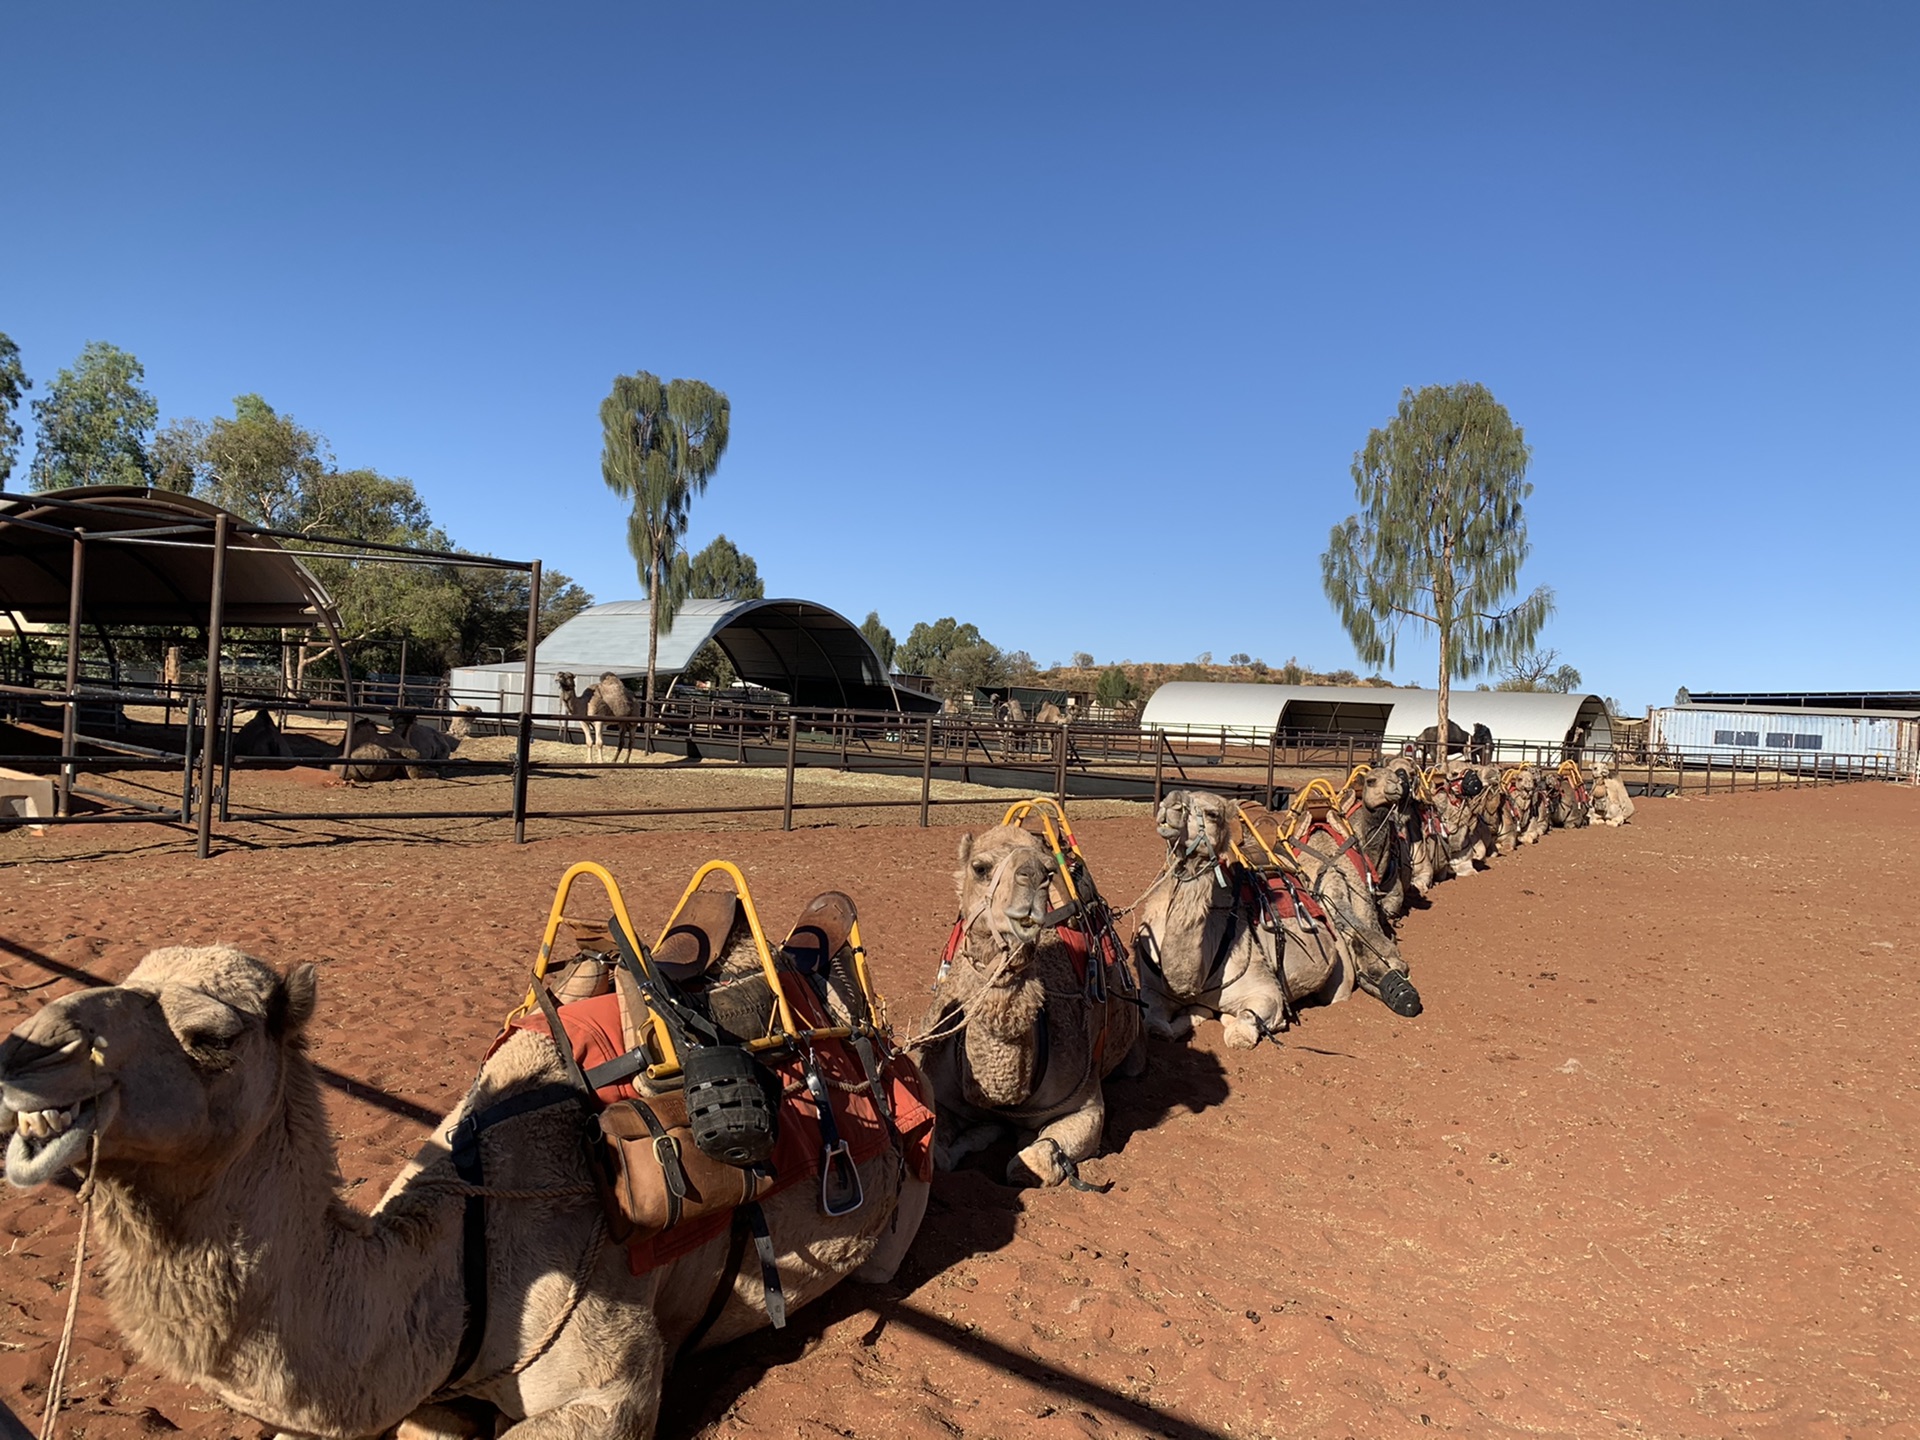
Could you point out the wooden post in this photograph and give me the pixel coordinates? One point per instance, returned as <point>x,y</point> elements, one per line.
<point>793,740</point>
<point>523,740</point>
<point>216,619</point>
<point>1060,765</point>
<point>70,721</point>
<point>926,774</point>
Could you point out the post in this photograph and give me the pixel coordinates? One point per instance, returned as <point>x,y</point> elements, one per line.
<point>186,766</point>
<point>400,695</point>
<point>523,743</point>
<point>1159,762</point>
<point>216,619</point>
<point>70,722</point>
<point>1060,765</point>
<point>1272,744</point>
<point>793,740</point>
<point>1709,789</point>
<point>226,761</point>
<point>926,774</point>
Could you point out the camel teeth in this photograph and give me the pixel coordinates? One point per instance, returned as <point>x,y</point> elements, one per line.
<point>45,1124</point>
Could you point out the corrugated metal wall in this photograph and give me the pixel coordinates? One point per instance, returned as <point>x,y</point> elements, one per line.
<point>1739,733</point>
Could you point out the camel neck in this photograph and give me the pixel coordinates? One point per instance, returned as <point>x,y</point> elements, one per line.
<point>257,1281</point>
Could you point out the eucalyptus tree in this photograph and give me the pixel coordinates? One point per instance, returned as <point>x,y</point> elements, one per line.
<point>1440,536</point>
<point>94,421</point>
<point>880,637</point>
<point>13,384</point>
<point>662,441</point>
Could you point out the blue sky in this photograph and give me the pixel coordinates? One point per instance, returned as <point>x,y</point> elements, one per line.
<point>1064,319</point>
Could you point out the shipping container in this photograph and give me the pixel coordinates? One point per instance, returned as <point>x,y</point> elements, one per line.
<point>1790,738</point>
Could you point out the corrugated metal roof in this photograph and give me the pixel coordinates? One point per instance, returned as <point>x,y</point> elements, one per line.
<point>808,652</point>
<point>1518,717</point>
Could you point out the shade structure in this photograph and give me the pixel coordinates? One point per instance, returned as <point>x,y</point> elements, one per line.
<point>805,651</point>
<point>1530,718</point>
<point>149,561</point>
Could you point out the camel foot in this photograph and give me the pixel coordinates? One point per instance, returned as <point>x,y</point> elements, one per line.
<point>1461,868</point>
<point>1242,1031</point>
<point>1398,995</point>
<point>1041,1163</point>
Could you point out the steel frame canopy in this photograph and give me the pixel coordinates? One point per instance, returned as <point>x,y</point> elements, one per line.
<point>813,655</point>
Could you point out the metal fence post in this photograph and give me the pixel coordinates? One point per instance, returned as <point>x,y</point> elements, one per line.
<point>1273,744</point>
<point>926,774</point>
<point>793,741</point>
<point>216,618</point>
<point>70,722</point>
<point>523,741</point>
<point>1159,763</point>
<point>1060,766</point>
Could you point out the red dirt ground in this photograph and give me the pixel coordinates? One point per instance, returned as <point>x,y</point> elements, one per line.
<point>1646,1164</point>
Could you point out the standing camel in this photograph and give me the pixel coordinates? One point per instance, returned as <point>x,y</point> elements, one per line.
<point>609,700</point>
<point>236,1263</point>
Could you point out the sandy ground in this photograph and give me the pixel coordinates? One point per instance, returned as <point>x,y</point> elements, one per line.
<point>1645,1165</point>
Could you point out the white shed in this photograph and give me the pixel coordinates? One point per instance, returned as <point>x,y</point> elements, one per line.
<point>1533,719</point>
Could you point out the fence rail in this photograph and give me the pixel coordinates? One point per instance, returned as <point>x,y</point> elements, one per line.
<point>1083,759</point>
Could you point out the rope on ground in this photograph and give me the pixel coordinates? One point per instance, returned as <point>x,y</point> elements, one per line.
<point>57,1378</point>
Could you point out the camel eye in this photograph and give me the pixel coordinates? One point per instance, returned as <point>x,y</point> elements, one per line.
<point>982,869</point>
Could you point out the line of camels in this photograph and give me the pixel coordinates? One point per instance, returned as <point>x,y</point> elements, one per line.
<point>186,1099</point>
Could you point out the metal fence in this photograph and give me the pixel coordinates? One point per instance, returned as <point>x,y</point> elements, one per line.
<point>1073,760</point>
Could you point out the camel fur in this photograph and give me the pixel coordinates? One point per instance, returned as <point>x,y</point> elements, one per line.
<point>1611,803</point>
<point>234,1263</point>
<point>1469,823</point>
<point>1010,979</point>
<point>1376,814</point>
<point>1200,953</point>
<point>1571,802</point>
<point>1367,948</point>
<point>374,755</point>
<point>608,702</point>
<point>1419,827</point>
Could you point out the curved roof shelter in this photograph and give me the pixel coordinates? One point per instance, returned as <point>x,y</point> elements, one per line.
<point>812,655</point>
<point>149,561</point>
<point>1516,717</point>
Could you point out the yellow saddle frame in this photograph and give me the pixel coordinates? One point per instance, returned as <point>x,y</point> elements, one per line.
<point>785,1033</point>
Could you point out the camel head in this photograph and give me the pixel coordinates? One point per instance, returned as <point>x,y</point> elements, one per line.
<point>1193,822</point>
<point>1382,787</point>
<point>180,1066</point>
<point>1005,881</point>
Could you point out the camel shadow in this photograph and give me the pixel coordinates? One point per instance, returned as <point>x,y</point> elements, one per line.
<point>1180,1077</point>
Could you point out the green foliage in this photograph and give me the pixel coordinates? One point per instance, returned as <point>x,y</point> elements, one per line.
<point>710,666</point>
<point>719,572</point>
<point>13,384</point>
<point>957,656</point>
<point>265,466</point>
<point>661,443</point>
<point>1681,697</point>
<point>1291,673</point>
<point>1440,536</point>
<point>94,422</point>
<point>1115,688</point>
<point>1018,668</point>
<point>880,637</point>
<point>1240,659</point>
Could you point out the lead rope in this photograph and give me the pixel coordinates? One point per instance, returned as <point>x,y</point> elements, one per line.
<point>57,1377</point>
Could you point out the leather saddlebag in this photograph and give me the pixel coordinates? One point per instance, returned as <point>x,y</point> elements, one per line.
<point>656,1177</point>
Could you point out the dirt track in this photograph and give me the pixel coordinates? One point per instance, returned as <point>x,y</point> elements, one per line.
<point>1645,1165</point>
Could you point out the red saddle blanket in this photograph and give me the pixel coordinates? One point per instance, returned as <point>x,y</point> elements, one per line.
<point>594,1028</point>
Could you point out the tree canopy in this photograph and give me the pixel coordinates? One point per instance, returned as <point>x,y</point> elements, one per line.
<point>721,571</point>
<point>661,443</point>
<point>94,421</point>
<point>957,657</point>
<point>1440,536</point>
<point>1540,670</point>
<point>1115,688</point>
<point>880,637</point>
<point>13,384</point>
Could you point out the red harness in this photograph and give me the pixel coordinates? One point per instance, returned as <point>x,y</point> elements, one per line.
<point>594,1028</point>
<point>1349,845</point>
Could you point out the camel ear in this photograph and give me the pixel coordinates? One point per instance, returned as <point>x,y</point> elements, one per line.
<point>293,1002</point>
<point>966,849</point>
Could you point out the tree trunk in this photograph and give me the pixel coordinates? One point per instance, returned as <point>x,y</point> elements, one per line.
<point>1446,688</point>
<point>653,621</point>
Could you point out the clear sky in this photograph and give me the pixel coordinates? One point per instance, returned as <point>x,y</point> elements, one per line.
<point>1063,319</point>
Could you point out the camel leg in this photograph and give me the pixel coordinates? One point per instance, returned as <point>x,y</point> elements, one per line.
<point>1050,1159</point>
<point>951,1144</point>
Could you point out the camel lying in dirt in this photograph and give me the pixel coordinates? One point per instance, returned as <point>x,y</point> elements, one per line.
<point>1419,822</point>
<point>1014,1038</point>
<point>1334,873</point>
<point>374,755</point>
<point>1374,804</point>
<point>1611,803</point>
<point>1200,951</point>
<point>1468,798</point>
<point>1572,799</point>
<point>1523,813</point>
<point>234,1263</point>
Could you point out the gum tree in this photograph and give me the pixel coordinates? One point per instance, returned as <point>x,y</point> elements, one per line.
<point>1439,538</point>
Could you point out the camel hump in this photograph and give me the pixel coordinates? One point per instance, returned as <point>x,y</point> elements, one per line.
<point>821,932</point>
<point>699,934</point>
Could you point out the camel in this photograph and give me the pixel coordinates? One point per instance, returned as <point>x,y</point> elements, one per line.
<point>1457,740</point>
<point>608,701</point>
<point>1611,803</point>
<point>374,755</point>
<point>1332,873</point>
<point>1050,714</point>
<point>1468,799</point>
<point>1571,798</point>
<point>1376,812</point>
<point>460,726</point>
<point>1514,820</point>
<point>1200,950</point>
<point>428,741</point>
<point>1014,1038</point>
<point>1419,824</point>
<point>261,738</point>
<point>234,1262</point>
